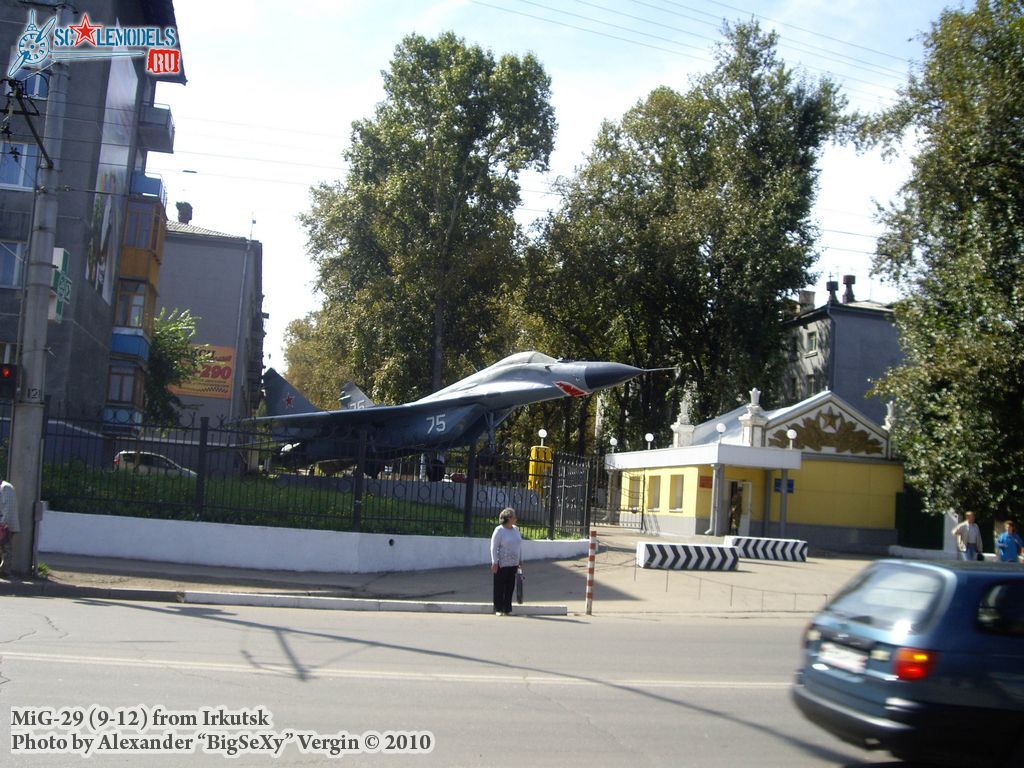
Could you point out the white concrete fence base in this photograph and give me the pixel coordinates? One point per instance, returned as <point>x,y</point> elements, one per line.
<point>757,548</point>
<point>686,557</point>
<point>279,549</point>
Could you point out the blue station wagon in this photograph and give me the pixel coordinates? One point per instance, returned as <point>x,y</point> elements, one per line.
<point>925,660</point>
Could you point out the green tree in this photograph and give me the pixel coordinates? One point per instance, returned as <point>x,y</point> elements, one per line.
<point>690,226</point>
<point>954,242</point>
<point>417,251</point>
<point>173,359</point>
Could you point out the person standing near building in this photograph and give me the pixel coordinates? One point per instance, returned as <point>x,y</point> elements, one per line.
<point>506,558</point>
<point>968,537</point>
<point>1009,543</point>
<point>9,517</point>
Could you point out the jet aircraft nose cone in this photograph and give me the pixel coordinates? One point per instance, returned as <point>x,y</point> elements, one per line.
<point>601,375</point>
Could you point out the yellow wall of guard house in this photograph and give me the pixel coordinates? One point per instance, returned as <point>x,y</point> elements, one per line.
<point>849,492</point>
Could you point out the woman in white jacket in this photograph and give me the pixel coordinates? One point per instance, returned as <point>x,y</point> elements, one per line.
<point>506,557</point>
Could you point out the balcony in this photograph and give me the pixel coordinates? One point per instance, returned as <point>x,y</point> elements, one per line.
<point>149,186</point>
<point>156,128</point>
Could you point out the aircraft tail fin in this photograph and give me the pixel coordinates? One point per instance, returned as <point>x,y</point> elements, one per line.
<point>353,398</point>
<point>282,398</point>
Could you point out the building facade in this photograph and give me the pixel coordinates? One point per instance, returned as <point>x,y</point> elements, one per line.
<point>817,470</point>
<point>111,218</point>
<point>227,303</point>
<point>843,346</point>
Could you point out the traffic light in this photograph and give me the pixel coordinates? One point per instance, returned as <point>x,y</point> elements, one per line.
<point>8,381</point>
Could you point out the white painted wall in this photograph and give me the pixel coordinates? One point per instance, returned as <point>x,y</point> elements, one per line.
<point>280,549</point>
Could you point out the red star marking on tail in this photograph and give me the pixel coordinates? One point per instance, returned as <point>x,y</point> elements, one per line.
<point>85,31</point>
<point>289,401</point>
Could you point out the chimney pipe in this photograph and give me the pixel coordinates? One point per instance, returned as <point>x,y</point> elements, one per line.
<point>184,213</point>
<point>832,286</point>
<point>848,281</point>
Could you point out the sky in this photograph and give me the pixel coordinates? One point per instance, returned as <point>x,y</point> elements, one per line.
<point>271,97</point>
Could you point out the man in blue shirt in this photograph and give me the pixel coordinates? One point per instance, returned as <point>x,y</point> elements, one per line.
<point>1009,544</point>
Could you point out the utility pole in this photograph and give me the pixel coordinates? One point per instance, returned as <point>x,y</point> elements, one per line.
<point>26,454</point>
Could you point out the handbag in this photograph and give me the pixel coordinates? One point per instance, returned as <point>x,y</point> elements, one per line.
<point>519,586</point>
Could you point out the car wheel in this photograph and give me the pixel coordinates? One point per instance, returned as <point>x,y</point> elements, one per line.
<point>1016,756</point>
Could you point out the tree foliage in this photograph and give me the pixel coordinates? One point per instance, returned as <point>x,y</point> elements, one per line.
<point>689,225</point>
<point>417,250</point>
<point>172,360</point>
<point>954,242</point>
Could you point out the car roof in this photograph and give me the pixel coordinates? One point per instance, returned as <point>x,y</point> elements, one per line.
<point>962,569</point>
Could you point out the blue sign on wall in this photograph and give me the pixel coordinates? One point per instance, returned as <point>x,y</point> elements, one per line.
<point>778,485</point>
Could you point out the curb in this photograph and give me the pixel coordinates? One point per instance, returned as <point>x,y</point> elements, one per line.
<point>360,604</point>
<point>268,600</point>
<point>52,589</point>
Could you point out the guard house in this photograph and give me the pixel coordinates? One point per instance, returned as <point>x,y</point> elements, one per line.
<point>817,470</point>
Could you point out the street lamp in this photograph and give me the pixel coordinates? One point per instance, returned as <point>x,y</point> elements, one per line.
<point>720,429</point>
<point>791,434</point>
<point>613,441</point>
<point>542,433</point>
<point>650,439</point>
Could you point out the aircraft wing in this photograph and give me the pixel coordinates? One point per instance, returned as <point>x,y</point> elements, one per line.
<point>354,417</point>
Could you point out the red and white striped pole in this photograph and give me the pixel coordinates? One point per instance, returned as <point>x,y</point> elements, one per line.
<point>590,569</point>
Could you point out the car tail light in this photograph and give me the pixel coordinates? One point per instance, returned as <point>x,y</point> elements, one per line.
<point>117,461</point>
<point>913,663</point>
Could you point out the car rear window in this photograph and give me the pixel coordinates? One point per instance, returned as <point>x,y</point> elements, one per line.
<point>1002,609</point>
<point>884,595</point>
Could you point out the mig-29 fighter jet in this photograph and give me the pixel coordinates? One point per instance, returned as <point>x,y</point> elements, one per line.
<point>457,415</point>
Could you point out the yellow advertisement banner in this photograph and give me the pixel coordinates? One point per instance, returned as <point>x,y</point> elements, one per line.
<point>216,377</point>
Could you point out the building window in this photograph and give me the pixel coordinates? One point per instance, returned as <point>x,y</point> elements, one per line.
<point>653,493</point>
<point>794,346</point>
<point>35,85</point>
<point>634,492</point>
<point>812,342</point>
<point>131,304</point>
<point>794,388</point>
<point>12,262</point>
<point>812,384</point>
<point>141,227</point>
<point>18,163</point>
<point>125,385</point>
<point>676,491</point>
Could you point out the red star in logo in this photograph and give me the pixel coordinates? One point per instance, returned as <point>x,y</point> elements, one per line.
<point>289,401</point>
<point>85,31</point>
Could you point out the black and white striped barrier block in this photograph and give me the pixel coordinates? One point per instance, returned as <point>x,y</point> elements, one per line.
<point>756,548</point>
<point>686,557</point>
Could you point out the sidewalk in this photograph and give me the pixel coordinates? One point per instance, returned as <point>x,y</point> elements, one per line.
<point>556,587</point>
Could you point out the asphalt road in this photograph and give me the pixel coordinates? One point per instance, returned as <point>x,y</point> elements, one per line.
<point>456,690</point>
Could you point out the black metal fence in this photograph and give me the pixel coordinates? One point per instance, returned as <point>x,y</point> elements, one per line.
<point>230,473</point>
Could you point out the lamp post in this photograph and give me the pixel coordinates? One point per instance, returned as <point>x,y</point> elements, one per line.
<point>542,433</point>
<point>613,442</point>
<point>720,429</point>
<point>650,439</point>
<point>784,489</point>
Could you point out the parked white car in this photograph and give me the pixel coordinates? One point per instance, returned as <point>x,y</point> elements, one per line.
<point>146,463</point>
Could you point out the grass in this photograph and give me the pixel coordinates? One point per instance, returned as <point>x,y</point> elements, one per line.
<point>274,501</point>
